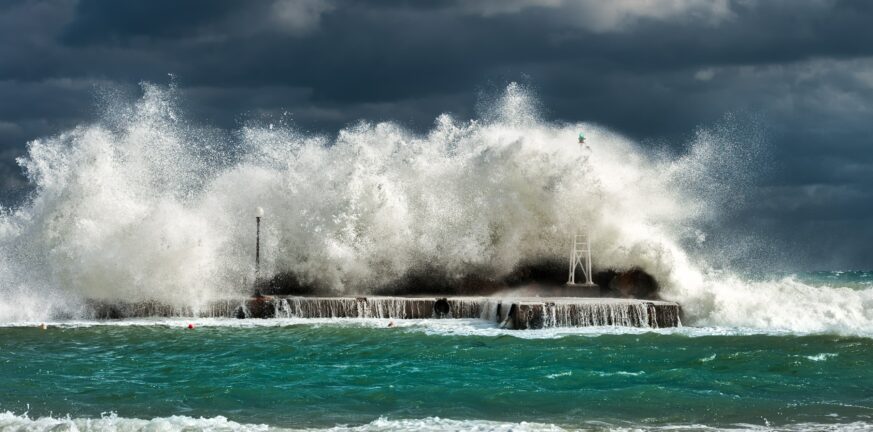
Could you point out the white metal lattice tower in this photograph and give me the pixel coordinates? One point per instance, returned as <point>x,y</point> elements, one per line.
<point>580,255</point>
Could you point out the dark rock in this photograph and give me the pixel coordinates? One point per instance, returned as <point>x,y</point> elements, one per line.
<point>431,280</point>
<point>473,284</point>
<point>419,281</point>
<point>546,272</point>
<point>548,276</point>
<point>288,283</point>
<point>107,311</point>
<point>634,283</point>
<point>603,278</point>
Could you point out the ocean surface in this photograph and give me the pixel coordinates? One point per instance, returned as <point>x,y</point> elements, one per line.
<point>225,374</point>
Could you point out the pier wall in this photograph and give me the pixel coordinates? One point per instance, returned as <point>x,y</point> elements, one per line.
<point>515,313</point>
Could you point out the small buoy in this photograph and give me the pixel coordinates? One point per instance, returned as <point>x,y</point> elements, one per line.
<point>190,326</point>
<point>43,326</point>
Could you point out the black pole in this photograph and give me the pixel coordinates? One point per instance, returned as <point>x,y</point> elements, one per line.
<point>258,250</point>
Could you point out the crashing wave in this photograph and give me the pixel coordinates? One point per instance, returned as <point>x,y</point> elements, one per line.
<point>145,206</point>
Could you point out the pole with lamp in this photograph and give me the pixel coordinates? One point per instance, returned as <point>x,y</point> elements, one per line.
<point>259,213</point>
<point>259,306</point>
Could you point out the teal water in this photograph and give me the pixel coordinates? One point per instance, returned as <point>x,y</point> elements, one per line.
<point>323,375</point>
<point>855,279</point>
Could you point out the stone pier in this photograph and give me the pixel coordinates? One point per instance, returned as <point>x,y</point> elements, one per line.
<point>509,312</point>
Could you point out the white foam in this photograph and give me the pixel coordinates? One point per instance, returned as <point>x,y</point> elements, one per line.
<point>10,422</point>
<point>434,327</point>
<point>143,205</point>
<point>785,304</point>
<point>821,357</point>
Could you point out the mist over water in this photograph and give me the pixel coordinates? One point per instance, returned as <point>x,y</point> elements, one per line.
<point>144,205</point>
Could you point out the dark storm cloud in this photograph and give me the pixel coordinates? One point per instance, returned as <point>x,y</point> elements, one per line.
<point>101,22</point>
<point>653,70</point>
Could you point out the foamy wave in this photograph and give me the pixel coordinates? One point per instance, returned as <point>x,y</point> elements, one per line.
<point>432,327</point>
<point>821,357</point>
<point>143,205</point>
<point>10,422</point>
<point>786,304</point>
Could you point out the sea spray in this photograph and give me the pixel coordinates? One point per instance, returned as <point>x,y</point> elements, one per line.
<point>142,205</point>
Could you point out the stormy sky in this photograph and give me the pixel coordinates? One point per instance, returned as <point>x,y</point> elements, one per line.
<point>653,70</point>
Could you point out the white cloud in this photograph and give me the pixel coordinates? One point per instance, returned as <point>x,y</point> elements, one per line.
<point>865,75</point>
<point>499,7</point>
<point>299,17</point>
<point>603,16</point>
<point>704,74</point>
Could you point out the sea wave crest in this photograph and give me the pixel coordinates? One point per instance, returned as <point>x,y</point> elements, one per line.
<point>10,422</point>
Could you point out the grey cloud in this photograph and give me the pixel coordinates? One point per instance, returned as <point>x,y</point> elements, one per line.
<point>299,17</point>
<point>653,70</point>
<point>609,16</point>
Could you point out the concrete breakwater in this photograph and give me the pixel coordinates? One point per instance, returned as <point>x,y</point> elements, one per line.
<point>516,313</point>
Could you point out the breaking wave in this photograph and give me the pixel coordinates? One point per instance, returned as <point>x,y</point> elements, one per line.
<point>144,205</point>
<point>430,327</point>
<point>11,422</point>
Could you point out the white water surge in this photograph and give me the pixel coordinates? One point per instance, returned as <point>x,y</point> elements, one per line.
<point>143,205</point>
<point>111,422</point>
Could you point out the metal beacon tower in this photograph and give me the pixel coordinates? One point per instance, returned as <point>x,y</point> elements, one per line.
<point>580,256</point>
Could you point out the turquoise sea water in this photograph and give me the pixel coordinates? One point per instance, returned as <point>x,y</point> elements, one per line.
<point>857,279</point>
<point>304,375</point>
<point>362,375</point>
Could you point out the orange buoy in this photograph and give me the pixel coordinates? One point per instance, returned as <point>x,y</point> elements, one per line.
<point>190,326</point>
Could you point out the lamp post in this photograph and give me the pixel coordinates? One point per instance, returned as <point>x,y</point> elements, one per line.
<point>259,213</point>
